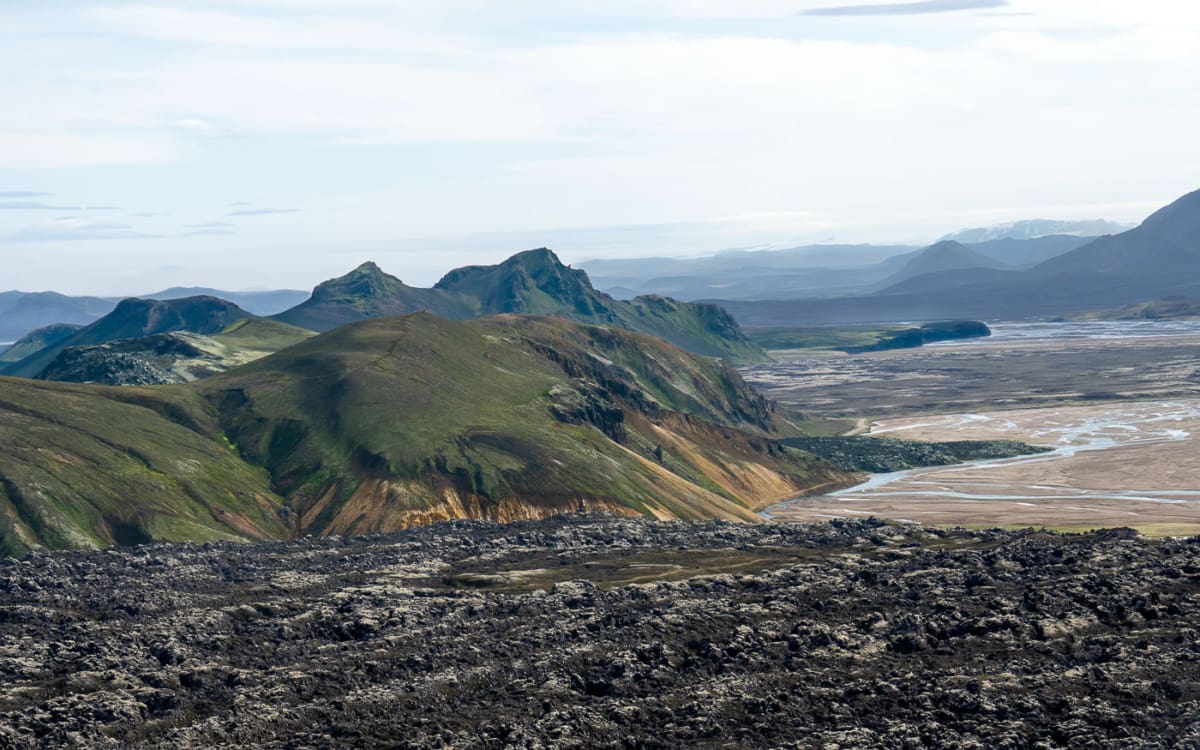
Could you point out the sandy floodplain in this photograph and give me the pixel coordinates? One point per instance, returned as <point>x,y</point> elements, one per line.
<point>1120,464</point>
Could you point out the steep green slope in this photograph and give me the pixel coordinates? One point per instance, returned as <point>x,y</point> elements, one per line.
<point>399,421</point>
<point>36,340</point>
<point>136,318</point>
<point>529,283</point>
<point>262,334</point>
<point>697,327</point>
<point>86,467</point>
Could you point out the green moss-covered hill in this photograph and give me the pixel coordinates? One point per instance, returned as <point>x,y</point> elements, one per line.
<point>87,466</point>
<point>394,422</point>
<point>136,318</point>
<point>36,340</point>
<point>391,422</point>
<point>533,282</point>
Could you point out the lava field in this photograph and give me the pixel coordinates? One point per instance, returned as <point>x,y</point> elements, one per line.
<point>609,632</point>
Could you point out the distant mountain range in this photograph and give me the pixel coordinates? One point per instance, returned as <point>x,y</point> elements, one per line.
<point>144,342</point>
<point>23,312</point>
<point>1160,258</point>
<point>267,302</point>
<point>1013,272</point>
<point>946,255</point>
<point>1034,228</point>
<point>805,272</point>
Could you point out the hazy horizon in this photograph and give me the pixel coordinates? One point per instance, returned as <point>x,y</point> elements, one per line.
<point>273,144</point>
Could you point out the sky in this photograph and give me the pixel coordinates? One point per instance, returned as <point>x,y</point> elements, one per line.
<point>276,143</point>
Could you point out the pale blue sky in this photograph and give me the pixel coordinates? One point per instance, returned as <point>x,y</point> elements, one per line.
<point>273,143</point>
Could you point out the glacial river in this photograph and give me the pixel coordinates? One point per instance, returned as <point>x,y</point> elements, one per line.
<point>1119,459</point>
<point>1082,330</point>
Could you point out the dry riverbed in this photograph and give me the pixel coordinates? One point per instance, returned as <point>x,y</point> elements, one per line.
<point>1122,464</point>
<point>982,374</point>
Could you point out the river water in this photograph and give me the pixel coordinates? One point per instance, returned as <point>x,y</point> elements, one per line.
<point>1125,431</point>
<point>1082,330</point>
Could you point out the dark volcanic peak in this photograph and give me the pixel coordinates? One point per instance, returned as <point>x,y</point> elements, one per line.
<point>364,281</point>
<point>364,293</point>
<point>1178,223</point>
<point>143,317</point>
<point>368,280</point>
<point>947,255</point>
<point>1159,258</point>
<point>539,261</point>
<point>534,282</point>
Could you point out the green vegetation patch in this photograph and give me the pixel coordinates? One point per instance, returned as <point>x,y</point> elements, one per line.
<point>86,466</point>
<point>866,338</point>
<point>837,338</point>
<point>880,455</point>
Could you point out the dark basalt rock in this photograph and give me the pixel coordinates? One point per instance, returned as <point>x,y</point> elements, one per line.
<point>600,632</point>
<point>107,365</point>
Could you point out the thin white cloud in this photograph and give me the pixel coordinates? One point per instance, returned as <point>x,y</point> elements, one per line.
<point>33,206</point>
<point>263,211</point>
<point>74,230</point>
<point>40,206</point>
<point>905,9</point>
<point>611,112</point>
<point>208,233</point>
<point>58,146</point>
<point>8,194</point>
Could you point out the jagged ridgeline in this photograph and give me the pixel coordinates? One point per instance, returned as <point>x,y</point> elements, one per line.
<point>394,422</point>
<point>533,282</point>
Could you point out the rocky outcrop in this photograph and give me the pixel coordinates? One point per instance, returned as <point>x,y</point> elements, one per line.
<point>126,362</point>
<point>603,632</point>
